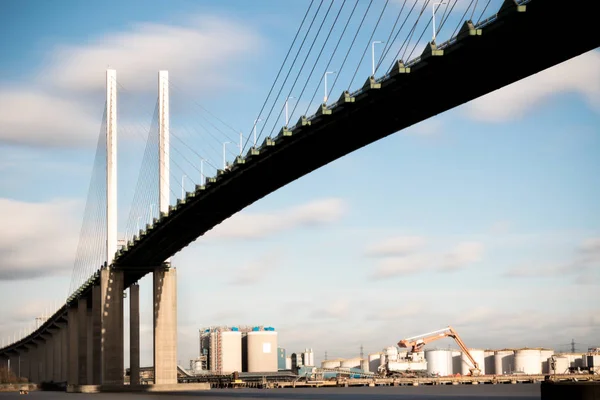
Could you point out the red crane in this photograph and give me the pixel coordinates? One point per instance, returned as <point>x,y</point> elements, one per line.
<point>416,343</point>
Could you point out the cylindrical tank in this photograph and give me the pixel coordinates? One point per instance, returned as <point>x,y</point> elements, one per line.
<point>504,362</point>
<point>364,365</point>
<point>374,361</point>
<point>545,354</point>
<point>439,362</point>
<point>351,363</point>
<point>288,363</point>
<point>262,351</point>
<point>456,362</point>
<point>561,366</point>
<point>382,359</point>
<point>305,358</point>
<point>229,359</point>
<point>391,353</point>
<point>311,357</point>
<point>479,357</point>
<point>489,362</point>
<point>330,364</point>
<point>528,361</point>
<point>575,359</point>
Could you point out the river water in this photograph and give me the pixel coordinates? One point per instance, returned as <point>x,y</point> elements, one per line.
<point>460,392</point>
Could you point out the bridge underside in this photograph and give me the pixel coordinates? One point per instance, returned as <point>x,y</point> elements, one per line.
<point>509,49</point>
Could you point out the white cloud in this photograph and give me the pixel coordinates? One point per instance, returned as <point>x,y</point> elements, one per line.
<point>336,309</point>
<point>39,239</point>
<point>501,227</point>
<point>401,266</point>
<point>399,245</point>
<point>62,105</point>
<point>32,117</point>
<point>253,226</point>
<point>462,255</point>
<point>202,54</point>
<point>582,267</point>
<point>577,75</point>
<point>256,271</point>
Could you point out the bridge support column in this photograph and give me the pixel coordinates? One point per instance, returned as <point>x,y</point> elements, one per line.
<point>14,364</point>
<point>134,334</point>
<point>3,363</point>
<point>82,346</point>
<point>73,347</point>
<point>49,358</point>
<point>58,354</point>
<point>25,364</point>
<point>96,349</point>
<point>64,350</point>
<point>112,283</point>
<point>165,325</point>
<point>34,364</point>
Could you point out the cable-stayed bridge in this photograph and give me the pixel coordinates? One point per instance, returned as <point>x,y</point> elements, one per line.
<point>82,342</point>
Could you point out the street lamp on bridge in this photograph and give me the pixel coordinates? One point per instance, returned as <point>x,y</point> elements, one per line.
<point>202,171</point>
<point>224,155</point>
<point>254,129</point>
<point>287,118</point>
<point>183,186</point>
<point>373,54</point>
<point>327,73</point>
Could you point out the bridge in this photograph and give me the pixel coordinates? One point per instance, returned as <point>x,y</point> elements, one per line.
<point>82,342</point>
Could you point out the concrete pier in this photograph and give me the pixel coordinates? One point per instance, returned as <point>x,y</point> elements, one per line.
<point>134,334</point>
<point>165,325</point>
<point>73,348</point>
<point>111,283</point>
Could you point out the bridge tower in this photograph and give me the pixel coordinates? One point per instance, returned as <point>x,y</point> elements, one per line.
<point>164,277</point>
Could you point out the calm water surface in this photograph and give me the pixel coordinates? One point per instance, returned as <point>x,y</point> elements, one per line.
<point>481,392</point>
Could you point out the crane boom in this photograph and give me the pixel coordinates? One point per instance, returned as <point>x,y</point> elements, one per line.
<point>416,343</point>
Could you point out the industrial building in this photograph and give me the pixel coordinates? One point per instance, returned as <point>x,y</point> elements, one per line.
<point>224,350</point>
<point>451,362</point>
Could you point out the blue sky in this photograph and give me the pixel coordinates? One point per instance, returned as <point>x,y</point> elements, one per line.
<point>484,217</point>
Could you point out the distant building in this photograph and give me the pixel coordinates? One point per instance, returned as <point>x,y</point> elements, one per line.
<point>239,349</point>
<point>281,359</point>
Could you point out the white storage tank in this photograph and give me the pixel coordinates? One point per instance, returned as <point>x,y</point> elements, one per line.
<point>561,365</point>
<point>545,354</point>
<point>330,363</point>
<point>230,358</point>
<point>479,356</point>
<point>311,357</point>
<point>504,362</point>
<point>489,362</point>
<point>351,363</point>
<point>364,365</point>
<point>374,361</point>
<point>528,361</point>
<point>306,358</point>
<point>456,362</point>
<point>288,363</point>
<point>262,351</point>
<point>593,362</point>
<point>575,359</point>
<point>439,362</point>
<point>391,352</point>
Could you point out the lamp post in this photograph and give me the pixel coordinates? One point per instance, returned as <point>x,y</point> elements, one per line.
<point>202,171</point>
<point>151,212</point>
<point>433,8</point>
<point>254,130</point>
<point>373,54</point>
<point>287,119</point>
<point>224,155</point>
<point>327,73</point>
<point>183,185</point>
